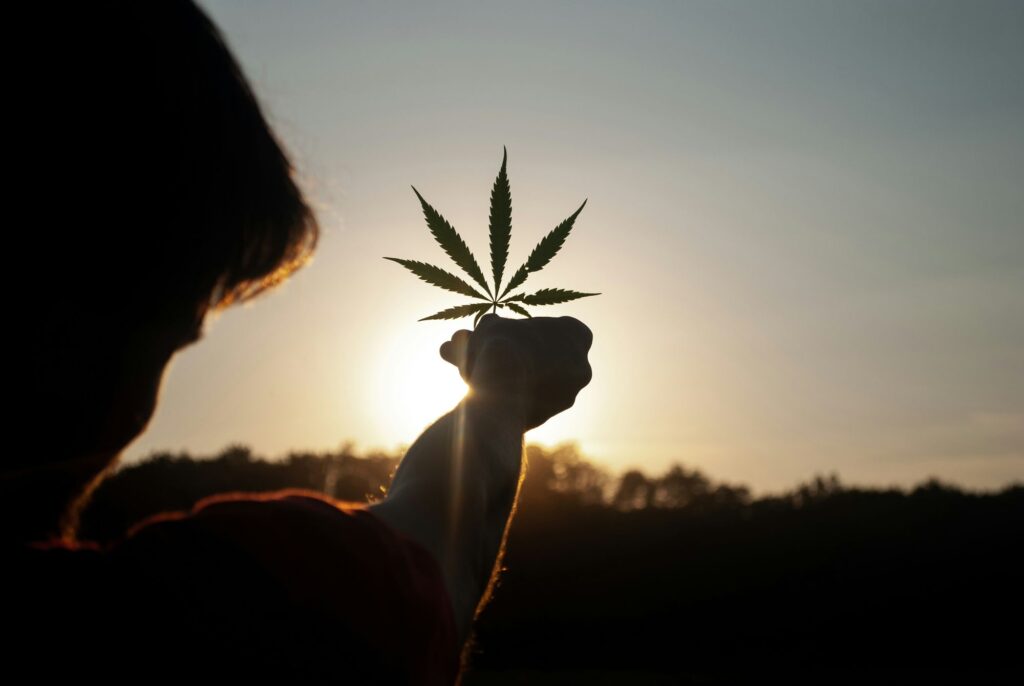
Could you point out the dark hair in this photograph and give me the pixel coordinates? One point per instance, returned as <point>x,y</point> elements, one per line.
<point>184,193</point>
<point>149,189</point>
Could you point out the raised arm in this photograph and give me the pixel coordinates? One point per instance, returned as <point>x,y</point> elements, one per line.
<point>456,488</point>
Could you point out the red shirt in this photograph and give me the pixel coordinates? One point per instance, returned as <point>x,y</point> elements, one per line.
<point>286,585</point>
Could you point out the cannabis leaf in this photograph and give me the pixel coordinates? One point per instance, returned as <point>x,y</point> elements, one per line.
<point>460,311</point>
<point>549,296</point>
<point>450,240</point>
<point>545,250</point>
<point>439,277</point>
<point>500,234</point>
<point>501,222</point>
<point>517,309</point>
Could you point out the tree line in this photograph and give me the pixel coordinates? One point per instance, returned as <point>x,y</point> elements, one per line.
<point>675,578</point>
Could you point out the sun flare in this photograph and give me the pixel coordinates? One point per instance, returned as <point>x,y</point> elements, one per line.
<point>414,385</point>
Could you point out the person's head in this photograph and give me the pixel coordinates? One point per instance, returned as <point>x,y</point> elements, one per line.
<point>171,198</point>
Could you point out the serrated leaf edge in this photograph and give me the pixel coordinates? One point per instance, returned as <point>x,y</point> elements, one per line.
<point>457,249</point>
<point>462,288</point>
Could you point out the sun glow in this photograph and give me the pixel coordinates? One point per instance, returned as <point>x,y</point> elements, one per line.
<point>413,385</point>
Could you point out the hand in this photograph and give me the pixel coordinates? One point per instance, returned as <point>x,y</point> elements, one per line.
<point>532,367</point>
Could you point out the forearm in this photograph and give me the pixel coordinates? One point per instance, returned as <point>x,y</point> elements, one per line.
<point>454,493</point>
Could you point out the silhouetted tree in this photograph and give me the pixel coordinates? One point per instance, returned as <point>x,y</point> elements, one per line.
<point>680,487</point>
<point>635,491</point>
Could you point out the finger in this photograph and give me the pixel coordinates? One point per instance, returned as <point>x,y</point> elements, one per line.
<point>488,320</point>
<point>579,332</point>
<point>587,335</point>
<point>454,351</point>
<point>581,376</point>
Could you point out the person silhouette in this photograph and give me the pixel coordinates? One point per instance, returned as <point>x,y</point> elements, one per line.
<point>175,200</point>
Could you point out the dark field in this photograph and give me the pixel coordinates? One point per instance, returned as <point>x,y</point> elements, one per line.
<point>673,579</point>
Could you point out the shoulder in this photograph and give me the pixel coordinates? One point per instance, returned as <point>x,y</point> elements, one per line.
<point>272,581</point>
<point>333,569</point>
<point>316,549</point>
<point>305,540</point>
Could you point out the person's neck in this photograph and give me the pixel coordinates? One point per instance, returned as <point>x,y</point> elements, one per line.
<point>42,503</point>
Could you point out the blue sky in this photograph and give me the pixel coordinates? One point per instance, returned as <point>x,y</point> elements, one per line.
<point>805,220</point>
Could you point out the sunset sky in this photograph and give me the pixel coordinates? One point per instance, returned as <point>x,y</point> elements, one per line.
<point>806,221</point>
